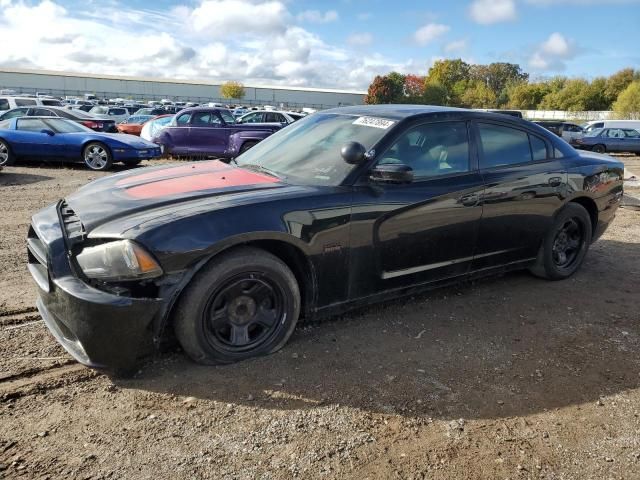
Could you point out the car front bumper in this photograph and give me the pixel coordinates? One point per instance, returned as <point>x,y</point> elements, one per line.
<point>99,329</point>
<point>123,154</point>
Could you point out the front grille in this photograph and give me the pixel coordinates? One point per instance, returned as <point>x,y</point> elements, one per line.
<point>73,229</point>
<point>38,262</point>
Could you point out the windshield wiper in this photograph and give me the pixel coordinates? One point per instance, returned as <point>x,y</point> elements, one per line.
<point>260,168</point>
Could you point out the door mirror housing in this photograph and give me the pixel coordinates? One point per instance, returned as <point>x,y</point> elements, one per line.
<point>51,133</point>
<point>392,173</point>
<point>353,153</point>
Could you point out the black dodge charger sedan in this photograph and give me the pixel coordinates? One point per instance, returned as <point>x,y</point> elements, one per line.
<point>343,208</point>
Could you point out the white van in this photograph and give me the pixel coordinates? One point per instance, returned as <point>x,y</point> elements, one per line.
<point>597,124</point>
<point>9,102</point>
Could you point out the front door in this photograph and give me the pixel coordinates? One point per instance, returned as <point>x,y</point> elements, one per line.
<point>423,231</point>
<point>206,133</point>
<point>524,187</point>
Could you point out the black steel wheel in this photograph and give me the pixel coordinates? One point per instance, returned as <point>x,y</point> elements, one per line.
<point>244,303</point>
<point>6,156</point>
<point>565,244</point>
<point>599,148</point>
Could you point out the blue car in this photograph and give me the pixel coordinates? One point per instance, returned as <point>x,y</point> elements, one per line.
<point>58,138</point>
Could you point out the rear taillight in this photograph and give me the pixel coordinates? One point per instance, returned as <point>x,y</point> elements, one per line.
<point>91,124</point>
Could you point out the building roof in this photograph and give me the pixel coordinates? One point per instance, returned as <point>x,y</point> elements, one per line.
<point>169,80</point>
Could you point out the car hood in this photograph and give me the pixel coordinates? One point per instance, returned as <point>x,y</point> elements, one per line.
<point>146,193</point>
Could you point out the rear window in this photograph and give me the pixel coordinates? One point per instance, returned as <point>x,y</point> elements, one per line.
<point>24,102</point>
<point>52,103</point>
<point>117,111</point>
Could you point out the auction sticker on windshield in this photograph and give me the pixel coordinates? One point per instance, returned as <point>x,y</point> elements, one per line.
<point>374,122</point>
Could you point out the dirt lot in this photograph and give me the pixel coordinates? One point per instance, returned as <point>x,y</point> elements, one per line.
<point>511,377</point>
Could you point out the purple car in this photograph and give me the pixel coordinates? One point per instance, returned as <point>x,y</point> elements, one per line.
<point>210,132</point>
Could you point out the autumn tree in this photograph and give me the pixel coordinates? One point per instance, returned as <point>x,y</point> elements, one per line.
<point>385,89</point>
<point>628,103</point>
<point>452,75</point>
<point>233,90</point>
<point>413,88</point>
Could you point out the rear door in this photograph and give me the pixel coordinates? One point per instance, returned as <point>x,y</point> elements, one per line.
<point>524,187</point>
<point>631,140</point>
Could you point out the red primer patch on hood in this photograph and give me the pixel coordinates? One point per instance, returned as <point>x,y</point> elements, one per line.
<point>232,177</point>
<point>175,171</point>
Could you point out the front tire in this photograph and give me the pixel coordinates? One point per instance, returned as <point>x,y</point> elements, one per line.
<point>599,148</point>
<point>565,244</point>
<point>244,303</point>
<point>6,156</point>
<point>97,156</point>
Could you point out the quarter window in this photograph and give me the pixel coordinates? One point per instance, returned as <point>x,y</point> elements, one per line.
<point>4,104</point>
<point>538,148</point>
<point>31,125</point>
<point>183,119</point>
<point>503,146</point>
<point>432,149</point>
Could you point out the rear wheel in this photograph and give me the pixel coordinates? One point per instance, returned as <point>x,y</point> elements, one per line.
<point>97,156</point>
<point>246,146</point>
<point>599,148</point>
<point>6,157</point>
<point>242,304</point>
<point>565,244</point>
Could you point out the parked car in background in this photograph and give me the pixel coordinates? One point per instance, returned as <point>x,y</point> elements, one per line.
<point>511,113</point>
<point>155,111</point>
<point>9,102</point>
<point>133,125</point>
<point>598,124</point>
<point>118,114</point>
<point>341,209</point>
<point>269,116</point>
<point>77,116</point>
<point>611,140</point>
<point>205,131</point>
<point>62,139</point>
<point>568,131</point>
<point>84,108</point>
<point>153,126</point>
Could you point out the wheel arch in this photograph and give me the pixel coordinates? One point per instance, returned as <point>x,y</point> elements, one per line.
<point>291,255</point>
<point>591,207</point>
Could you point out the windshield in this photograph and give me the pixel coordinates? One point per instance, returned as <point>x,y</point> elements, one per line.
<point>307,152</point>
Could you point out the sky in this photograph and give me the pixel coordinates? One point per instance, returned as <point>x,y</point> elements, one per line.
<point>339,44</point>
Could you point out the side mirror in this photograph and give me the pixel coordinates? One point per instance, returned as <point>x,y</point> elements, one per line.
<point>392,173</point>
<point>51,133</point>
<point>353,153</point>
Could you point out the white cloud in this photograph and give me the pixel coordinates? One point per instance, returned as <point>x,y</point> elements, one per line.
<point>316,16</point>
<point>258,42</point>
<point>429,33</point>
<point>487,12</point>
<point>455,46</point>
<point>360,39</point>
<point>552,54</point>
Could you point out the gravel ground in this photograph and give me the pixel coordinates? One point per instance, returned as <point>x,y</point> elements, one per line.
<point>509,377</point>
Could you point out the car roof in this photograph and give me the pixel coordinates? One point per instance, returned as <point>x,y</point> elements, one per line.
<point>394,112</point>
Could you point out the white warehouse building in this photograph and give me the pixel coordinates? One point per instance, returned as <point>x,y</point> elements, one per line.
<point>64,84</point>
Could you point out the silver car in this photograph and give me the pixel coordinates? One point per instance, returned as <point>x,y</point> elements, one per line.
<point>119,114</point>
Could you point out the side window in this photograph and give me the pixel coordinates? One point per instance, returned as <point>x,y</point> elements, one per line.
<point>538,148</point>
<point>632,133</point>
<point>31,125</point>
<point>4,104</point>
<point>201,119</point>
<point>615,133</point>
<point>252,118</point>
<point>24,102</point>
<point>503,146</point>
<point>183,119</point>
<point>432,149</point>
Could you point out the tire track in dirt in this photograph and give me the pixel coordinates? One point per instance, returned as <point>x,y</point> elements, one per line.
<point>40,380</point>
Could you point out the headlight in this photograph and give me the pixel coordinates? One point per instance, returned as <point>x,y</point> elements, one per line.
<point>120,260</point>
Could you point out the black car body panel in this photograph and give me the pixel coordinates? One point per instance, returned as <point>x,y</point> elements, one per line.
<point>348,245</point>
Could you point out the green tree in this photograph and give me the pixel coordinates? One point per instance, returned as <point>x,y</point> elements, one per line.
<point>628,103</point>
<point>617,82</point>
<point>498,77</point>
<point>434,94</point>
<point>382,90</point>
<point>397,83</point>
<point>526,96</point>
<point>452,75</point>
<point>478,95</point>
<point>232,90</point>
<point>595,96</point>
<point>572,96</point>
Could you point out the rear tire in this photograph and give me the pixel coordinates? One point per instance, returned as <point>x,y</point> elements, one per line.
<point>246,146</point>
<point>244,303</point>
<point>565,245</point>
<point>6,156</point>
<point>97,156</point>
<point>599,148</point>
